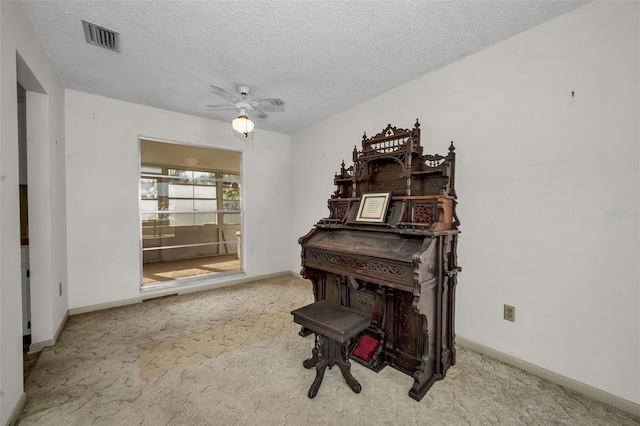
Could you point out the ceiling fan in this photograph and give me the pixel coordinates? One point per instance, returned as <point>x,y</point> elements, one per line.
<point>253,107</point>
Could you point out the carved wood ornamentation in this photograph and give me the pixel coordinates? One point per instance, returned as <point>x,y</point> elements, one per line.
<point>424,213</point>
<point>402,271</point>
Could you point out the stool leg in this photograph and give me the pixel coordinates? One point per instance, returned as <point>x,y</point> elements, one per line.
<point>313,390</point>
<point>310,362</point>
<point>345,369</point>
<point>351,381</point>
<point>322,353</point>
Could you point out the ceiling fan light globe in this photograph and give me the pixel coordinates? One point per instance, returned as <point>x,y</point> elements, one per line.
<point>243,125</point>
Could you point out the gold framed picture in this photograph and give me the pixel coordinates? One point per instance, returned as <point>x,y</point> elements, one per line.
<point>373,207</point>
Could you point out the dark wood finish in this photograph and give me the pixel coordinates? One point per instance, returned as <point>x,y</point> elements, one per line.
<point>24,216</point>
<point>402,272</point>
<point>334,325</point>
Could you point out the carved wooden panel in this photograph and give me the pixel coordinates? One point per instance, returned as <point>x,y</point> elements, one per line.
<point>378,269</point>
<point>424,213</point>
<point>341,211</point>
<point>406,324</point>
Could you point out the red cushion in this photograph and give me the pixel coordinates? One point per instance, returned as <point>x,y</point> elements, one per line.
<point>366,348</point>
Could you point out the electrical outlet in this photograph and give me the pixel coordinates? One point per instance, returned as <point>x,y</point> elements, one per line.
<point>59,289</point>
<point>510,313</point>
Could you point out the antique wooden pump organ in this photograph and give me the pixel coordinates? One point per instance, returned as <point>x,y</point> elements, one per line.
<point>388,248</point>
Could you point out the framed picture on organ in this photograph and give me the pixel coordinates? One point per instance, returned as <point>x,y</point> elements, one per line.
<point>373,207</point>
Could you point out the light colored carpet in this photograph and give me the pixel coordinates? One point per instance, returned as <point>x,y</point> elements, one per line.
<point>232,356</point>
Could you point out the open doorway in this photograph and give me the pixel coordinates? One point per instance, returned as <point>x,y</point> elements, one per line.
<point>190,212</point>
<point>24,217</point>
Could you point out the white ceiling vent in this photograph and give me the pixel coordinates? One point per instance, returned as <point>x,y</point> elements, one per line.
<point>100,36</point>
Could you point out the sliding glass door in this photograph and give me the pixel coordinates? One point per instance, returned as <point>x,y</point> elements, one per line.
<point>190,211</point>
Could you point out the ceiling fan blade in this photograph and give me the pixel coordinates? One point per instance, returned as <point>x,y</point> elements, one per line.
<point>220,106</point>
<point>256,112</point>
<point>266,103</point>
<point>224,94</point>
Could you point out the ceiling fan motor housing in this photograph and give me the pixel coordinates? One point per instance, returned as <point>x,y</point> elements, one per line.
<point>244,90</point>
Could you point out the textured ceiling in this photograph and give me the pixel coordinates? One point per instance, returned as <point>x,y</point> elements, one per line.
<point>320,57</point>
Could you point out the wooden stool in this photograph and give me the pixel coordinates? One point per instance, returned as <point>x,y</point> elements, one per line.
<point>333,326</point>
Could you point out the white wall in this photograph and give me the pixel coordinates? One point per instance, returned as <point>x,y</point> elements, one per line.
<point>46,197</point>
<point>548,187</point>
<point>103,165</point>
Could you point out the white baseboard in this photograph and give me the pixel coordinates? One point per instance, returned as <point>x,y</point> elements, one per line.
<point>583,388</point>
<point>61,326</point>
<point>15,413</point>
<point>38,346</point>
<point>179,288</point>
